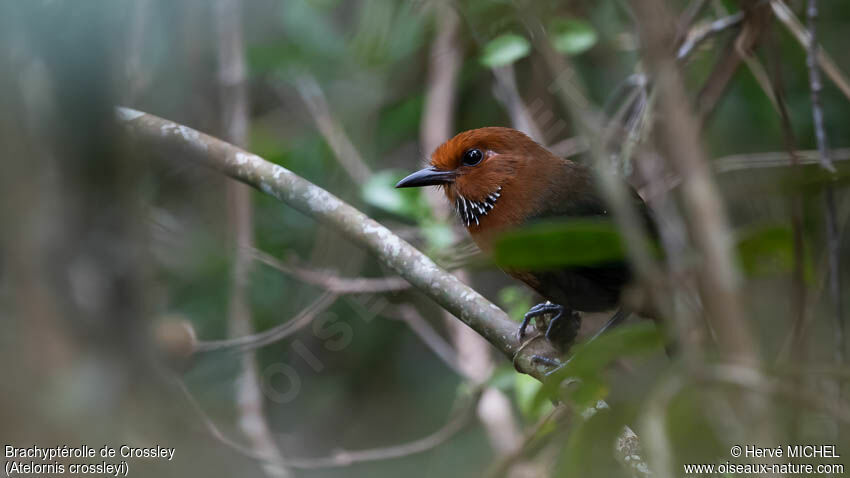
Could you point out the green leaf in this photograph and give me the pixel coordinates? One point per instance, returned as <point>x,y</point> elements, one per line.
<point>573,36</point>
<point>526,389</point>
<point>766,250</point>
<point>504,50</point>
<point>380,191</point>
<point>590,359</point>
<point>556,244</point>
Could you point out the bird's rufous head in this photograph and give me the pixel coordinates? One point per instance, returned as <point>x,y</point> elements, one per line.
<point>477,167</point>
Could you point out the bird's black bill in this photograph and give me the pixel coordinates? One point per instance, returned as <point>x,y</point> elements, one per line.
<point>426,177</point>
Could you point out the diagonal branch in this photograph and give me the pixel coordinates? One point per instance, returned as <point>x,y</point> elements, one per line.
<point>148,131</point>
<point>679,138</point>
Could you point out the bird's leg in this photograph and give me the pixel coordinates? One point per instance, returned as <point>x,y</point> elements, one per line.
<point>614,321</point>
<point>539,310</point>
<point>559,329</point>
<point>547,361</point>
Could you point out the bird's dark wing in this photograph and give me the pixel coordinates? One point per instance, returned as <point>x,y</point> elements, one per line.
<point>593,287</point>
<point>579,197</point>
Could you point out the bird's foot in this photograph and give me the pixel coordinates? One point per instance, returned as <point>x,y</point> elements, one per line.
<point>558,330</point>
<point>539,310</point>
<point>555,363</point>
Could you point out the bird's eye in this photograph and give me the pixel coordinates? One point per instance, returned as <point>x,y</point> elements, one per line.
<point>472,157</point>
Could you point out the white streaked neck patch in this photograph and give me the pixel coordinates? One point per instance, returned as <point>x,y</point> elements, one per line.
<point>471,211</point>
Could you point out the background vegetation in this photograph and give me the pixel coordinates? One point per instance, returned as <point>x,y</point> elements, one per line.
<point>110,252</point>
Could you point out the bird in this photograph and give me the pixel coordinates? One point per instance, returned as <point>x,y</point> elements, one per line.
<point>498,179</point>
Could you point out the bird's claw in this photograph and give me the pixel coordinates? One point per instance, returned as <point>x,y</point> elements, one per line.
<point>539,310</point>
<point>556,364</point>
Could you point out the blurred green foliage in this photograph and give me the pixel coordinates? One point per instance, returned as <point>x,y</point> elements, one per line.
<point>572,35</point>
<point>505,50</point>
<point>585,368</point>
<point>560,243</point>
<point>380,191</point>
<point>371,59</point>
<point>515,300</point>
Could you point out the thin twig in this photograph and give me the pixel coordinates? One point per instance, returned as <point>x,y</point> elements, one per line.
<point>343,458</point>
<point>569,147</point>
<point>830,68</point>
<point>213,429</point>
<point>240,219</point>
<point>798,282</point>
<point>331,281</point>
<point>814,299</point>
<point>505,462</point>
<point>816,86</point>
<point>832,237</point>
<point>277,333</point>
<point>687,18</point>
<point>469,355</point>
<point>755,21</point>
<point>344,151</point>
<point>430,337</point>
<point>589,123</point>
<point>679,139</point>
<point>700,33</point>
<point>772,159</point>
<point>506,92</point>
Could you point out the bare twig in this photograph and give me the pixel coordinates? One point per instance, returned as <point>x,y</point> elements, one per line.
<point>830,213</point>
<point>569,147</point>
<point>506,92</point>
<point>798,283</point>
<point>589,123</point>
<point>444,64</point>
<point>816,85</point>
<point>679,139</point>
<point>332,282</point>
<point>834,251</point>
<point>470,355</point>
<point>430,337</point>
<point>687,17</point>
<point>275,334</point>
<point>756,17</point>
<point>216,433</point>
<point>533,434</point>
<point>137,76</point>
<point>342,458</point>
<point>347,155</point>
<point>772,159</point>
<point>468,305</point>
<point>234,115</point>
<point>830,68</point>
<point>700,33</point>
